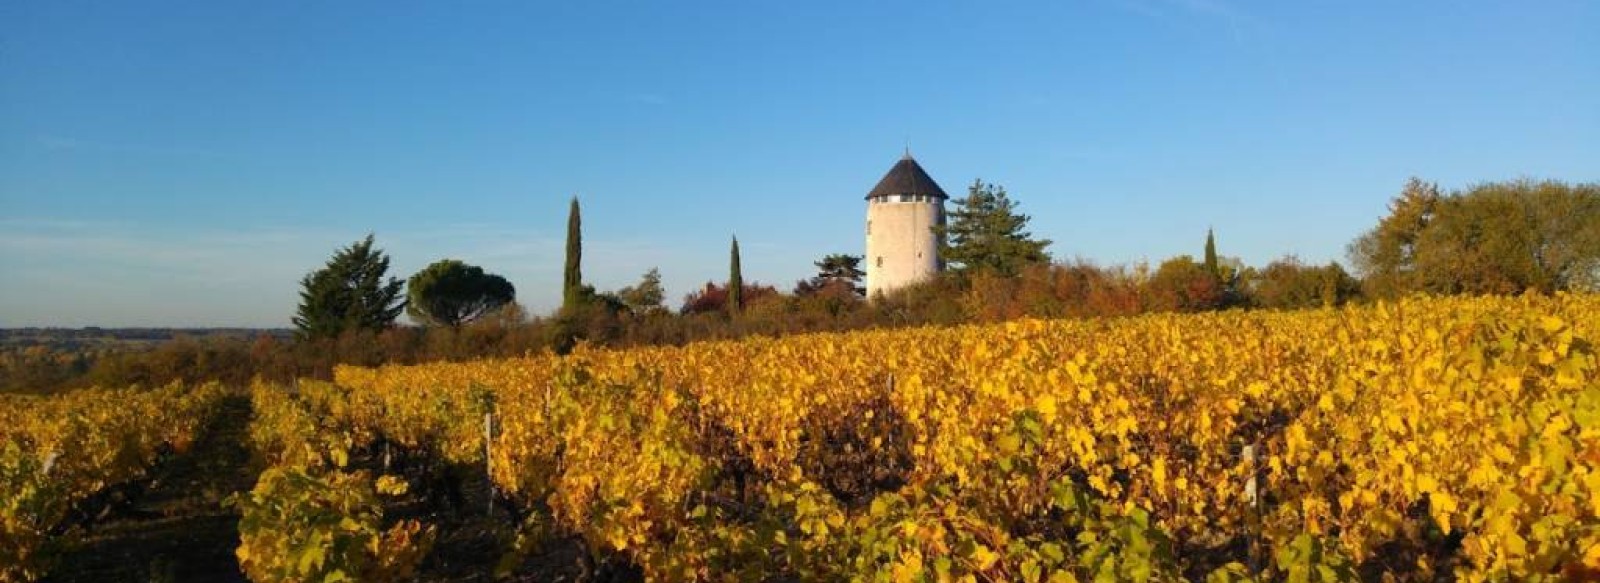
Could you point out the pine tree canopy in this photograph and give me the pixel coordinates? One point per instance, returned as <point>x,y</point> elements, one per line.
<point>985,232</point>
<point>451,293</point>
<point>837,269</point>
<point>349,293</point>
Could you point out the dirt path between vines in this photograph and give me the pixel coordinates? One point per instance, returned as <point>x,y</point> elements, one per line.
<point>179,529</point>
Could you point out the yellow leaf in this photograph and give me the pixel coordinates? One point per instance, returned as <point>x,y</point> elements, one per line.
<point>1593,480</point>
<point>1394,423</point>
<point>1551,323</point>
<point>1256,390</point>
<point>392,485</point>
<point>1426,483</point>
<point>1046,404</point>
<point>983,558</point>
<point>908,568</point>
<point>1442,504</point>
<point>1063,576</point>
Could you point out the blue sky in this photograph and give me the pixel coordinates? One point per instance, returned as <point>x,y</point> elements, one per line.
<point>185,163</point>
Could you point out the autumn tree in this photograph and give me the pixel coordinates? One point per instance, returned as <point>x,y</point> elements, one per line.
<point>1509,237</point>
<point>451,293</point>
<point>645,296</point>
<point>986,232</point>
<point>1385,257</point>
<point>1290,283</point>
<point>1184,285</point>
<point>1499,237</point>
<point>349,293</point>
<point>716,298</point>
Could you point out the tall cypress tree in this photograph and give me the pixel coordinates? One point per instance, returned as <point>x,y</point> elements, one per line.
<point>735,280</point>
<point>572,282</point>
<point>1211,255</point>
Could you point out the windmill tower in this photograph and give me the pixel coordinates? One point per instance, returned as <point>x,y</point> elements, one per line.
<point>902,210</point>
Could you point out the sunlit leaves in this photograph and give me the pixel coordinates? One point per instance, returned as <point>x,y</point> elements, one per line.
<point>988,451</point>
<point>57,452</point>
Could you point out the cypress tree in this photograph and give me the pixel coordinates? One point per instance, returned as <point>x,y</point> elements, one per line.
<point>735,280</point>
<point>1211,255</point>
<point>572,282</point>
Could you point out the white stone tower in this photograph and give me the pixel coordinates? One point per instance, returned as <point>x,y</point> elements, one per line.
<point>901,212</point>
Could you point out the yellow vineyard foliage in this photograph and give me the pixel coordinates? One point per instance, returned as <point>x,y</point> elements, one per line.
<point>1463,426</point>
<point>58,451</point>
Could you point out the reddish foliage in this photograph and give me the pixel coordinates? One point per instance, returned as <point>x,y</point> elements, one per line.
<point>714,298</point>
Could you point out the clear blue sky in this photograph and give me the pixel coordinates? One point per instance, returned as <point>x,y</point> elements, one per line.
<point>185,163</point>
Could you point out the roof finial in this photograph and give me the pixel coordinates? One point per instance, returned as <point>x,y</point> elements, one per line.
<point>908,148</point>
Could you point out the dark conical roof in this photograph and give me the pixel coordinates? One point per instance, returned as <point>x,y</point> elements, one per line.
<point>907,177</point>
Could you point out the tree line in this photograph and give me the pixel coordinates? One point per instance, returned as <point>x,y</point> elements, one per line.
<point>1500,237</point>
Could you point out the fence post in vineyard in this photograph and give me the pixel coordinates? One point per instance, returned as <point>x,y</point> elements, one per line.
<point>889,397</point>
<point>488,456</point>
<point>1252,502</point>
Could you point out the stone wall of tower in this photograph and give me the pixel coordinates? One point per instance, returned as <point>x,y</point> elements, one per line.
<point>901,246</point>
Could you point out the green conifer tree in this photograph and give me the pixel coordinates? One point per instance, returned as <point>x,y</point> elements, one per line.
<point>735,280</point>
<point>572,281</point>
<point>451,293</point>
<point>1211,254</point>
<point>985,232</point>
<point>349,293</point>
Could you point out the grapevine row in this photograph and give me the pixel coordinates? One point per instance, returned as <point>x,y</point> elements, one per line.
<point>59,453</point>
<point>1461,434</point>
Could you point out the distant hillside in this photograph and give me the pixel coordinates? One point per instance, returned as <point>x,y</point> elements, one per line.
<point>96,337</point>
